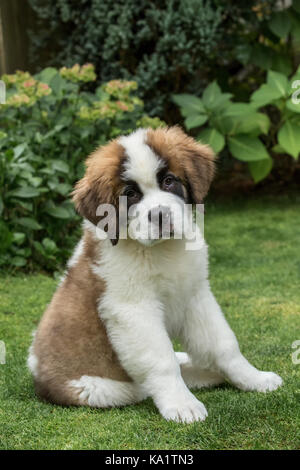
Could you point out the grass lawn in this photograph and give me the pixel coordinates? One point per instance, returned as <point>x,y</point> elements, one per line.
<point>255,273</point>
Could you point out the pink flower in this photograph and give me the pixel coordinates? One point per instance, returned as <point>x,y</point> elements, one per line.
<point>29,83</point>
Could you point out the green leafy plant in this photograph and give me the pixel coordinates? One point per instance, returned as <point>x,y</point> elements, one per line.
<point>168,46</point>
<point>252,132</point>
<point>49,124</point>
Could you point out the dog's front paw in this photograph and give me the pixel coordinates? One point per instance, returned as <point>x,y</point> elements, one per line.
<point>184,411</point>
<point>263,382</point>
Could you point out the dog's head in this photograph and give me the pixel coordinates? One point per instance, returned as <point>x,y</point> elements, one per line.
<point>157,172</point>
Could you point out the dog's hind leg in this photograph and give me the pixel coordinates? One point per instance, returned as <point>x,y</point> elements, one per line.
<point>104,393</point>
<point>195,377</point>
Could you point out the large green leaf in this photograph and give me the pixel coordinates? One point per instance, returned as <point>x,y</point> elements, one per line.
<point>62,188</point>
<point>244,119</point>
<point>225,125</point>
<point>260,169</point>
<point>58,212</point>
<point>46,75</point>
<point>18,261</point>
<point>24,192</point>
<point>247,148</point>
<point>56,129</point>
<point>190,104</point>
<point>277,86</point>
<point>195,121</point>
<point>264,95</point>
<point>211,94</point>
<point>254,124</point>
<point>241,119</point>
<point>59,165</point>
<point>213,138</point>
<point>289,138</point>
<point>221,102</point>
<point>238,109</point>
<point>278,81</point>
<point>58,84</point>
<point>49,245</point>
<point>19,149</point>
<point>29,223</point>
<point>19,237</point>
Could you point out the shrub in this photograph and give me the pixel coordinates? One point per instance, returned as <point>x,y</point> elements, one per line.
<point>48,125</point>
<point>252,132</point>
<point>166,46</point>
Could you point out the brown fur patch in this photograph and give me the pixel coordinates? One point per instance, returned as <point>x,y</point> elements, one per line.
<point>193,162</point>
<point>71,340</point>
<point>101,183</point>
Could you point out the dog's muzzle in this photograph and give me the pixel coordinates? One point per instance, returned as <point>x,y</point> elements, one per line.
<point>161,219</point>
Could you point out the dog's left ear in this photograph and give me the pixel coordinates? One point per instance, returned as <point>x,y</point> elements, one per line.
<point>199,168</point>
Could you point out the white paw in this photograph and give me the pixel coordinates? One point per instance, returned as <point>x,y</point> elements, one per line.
<point>185,412</point>
<point>263,382</point>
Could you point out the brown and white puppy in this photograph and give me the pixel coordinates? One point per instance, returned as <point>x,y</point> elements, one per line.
<point>105,339</point>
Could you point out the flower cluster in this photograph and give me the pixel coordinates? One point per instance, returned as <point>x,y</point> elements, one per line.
<point>115,101</point>
<point>16,79</point>
<point>112,100</point>
<point>120,89</point>
<point>104,110</point>
<point>77,73</point>
<point>147,121</point>
<point>27,89</point>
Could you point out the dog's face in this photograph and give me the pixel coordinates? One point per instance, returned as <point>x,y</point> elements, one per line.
<point>156,171</point>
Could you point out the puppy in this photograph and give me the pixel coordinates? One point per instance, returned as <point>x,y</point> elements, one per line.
<point>105,338</point>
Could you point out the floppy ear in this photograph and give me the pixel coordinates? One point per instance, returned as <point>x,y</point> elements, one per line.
<point>191,160</point>
<point>199,168</point>
<point>88,194</point>
<point>99,186</point>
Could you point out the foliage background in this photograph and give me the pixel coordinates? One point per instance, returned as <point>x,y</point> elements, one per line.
<point>183,46</point>
<point>49,124</point>
<point>167,46</point>
<point>222,69</point>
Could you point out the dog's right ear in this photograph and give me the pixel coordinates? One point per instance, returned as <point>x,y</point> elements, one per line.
<point>100,184</point>
<point>88,194</point>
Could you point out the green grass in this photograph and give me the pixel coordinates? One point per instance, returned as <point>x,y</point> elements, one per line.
<point>255,272</point>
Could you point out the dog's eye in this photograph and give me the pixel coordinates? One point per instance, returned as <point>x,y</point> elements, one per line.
<point>168,181</point>
<point>132,194</point>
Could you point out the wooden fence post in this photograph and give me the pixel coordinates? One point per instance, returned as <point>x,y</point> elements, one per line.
<point>15,17</point>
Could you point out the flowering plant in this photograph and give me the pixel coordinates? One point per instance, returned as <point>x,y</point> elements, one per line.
<point>49,123</point>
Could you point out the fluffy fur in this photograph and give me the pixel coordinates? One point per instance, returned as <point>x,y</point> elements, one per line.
<point>105,339</point>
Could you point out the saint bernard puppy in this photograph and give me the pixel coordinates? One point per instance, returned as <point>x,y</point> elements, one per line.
<point>105,338</point>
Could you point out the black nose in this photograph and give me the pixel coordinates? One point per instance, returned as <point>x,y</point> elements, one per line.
<point>159,215</point>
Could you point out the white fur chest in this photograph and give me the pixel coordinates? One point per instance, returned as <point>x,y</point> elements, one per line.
<point>166,273</point>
